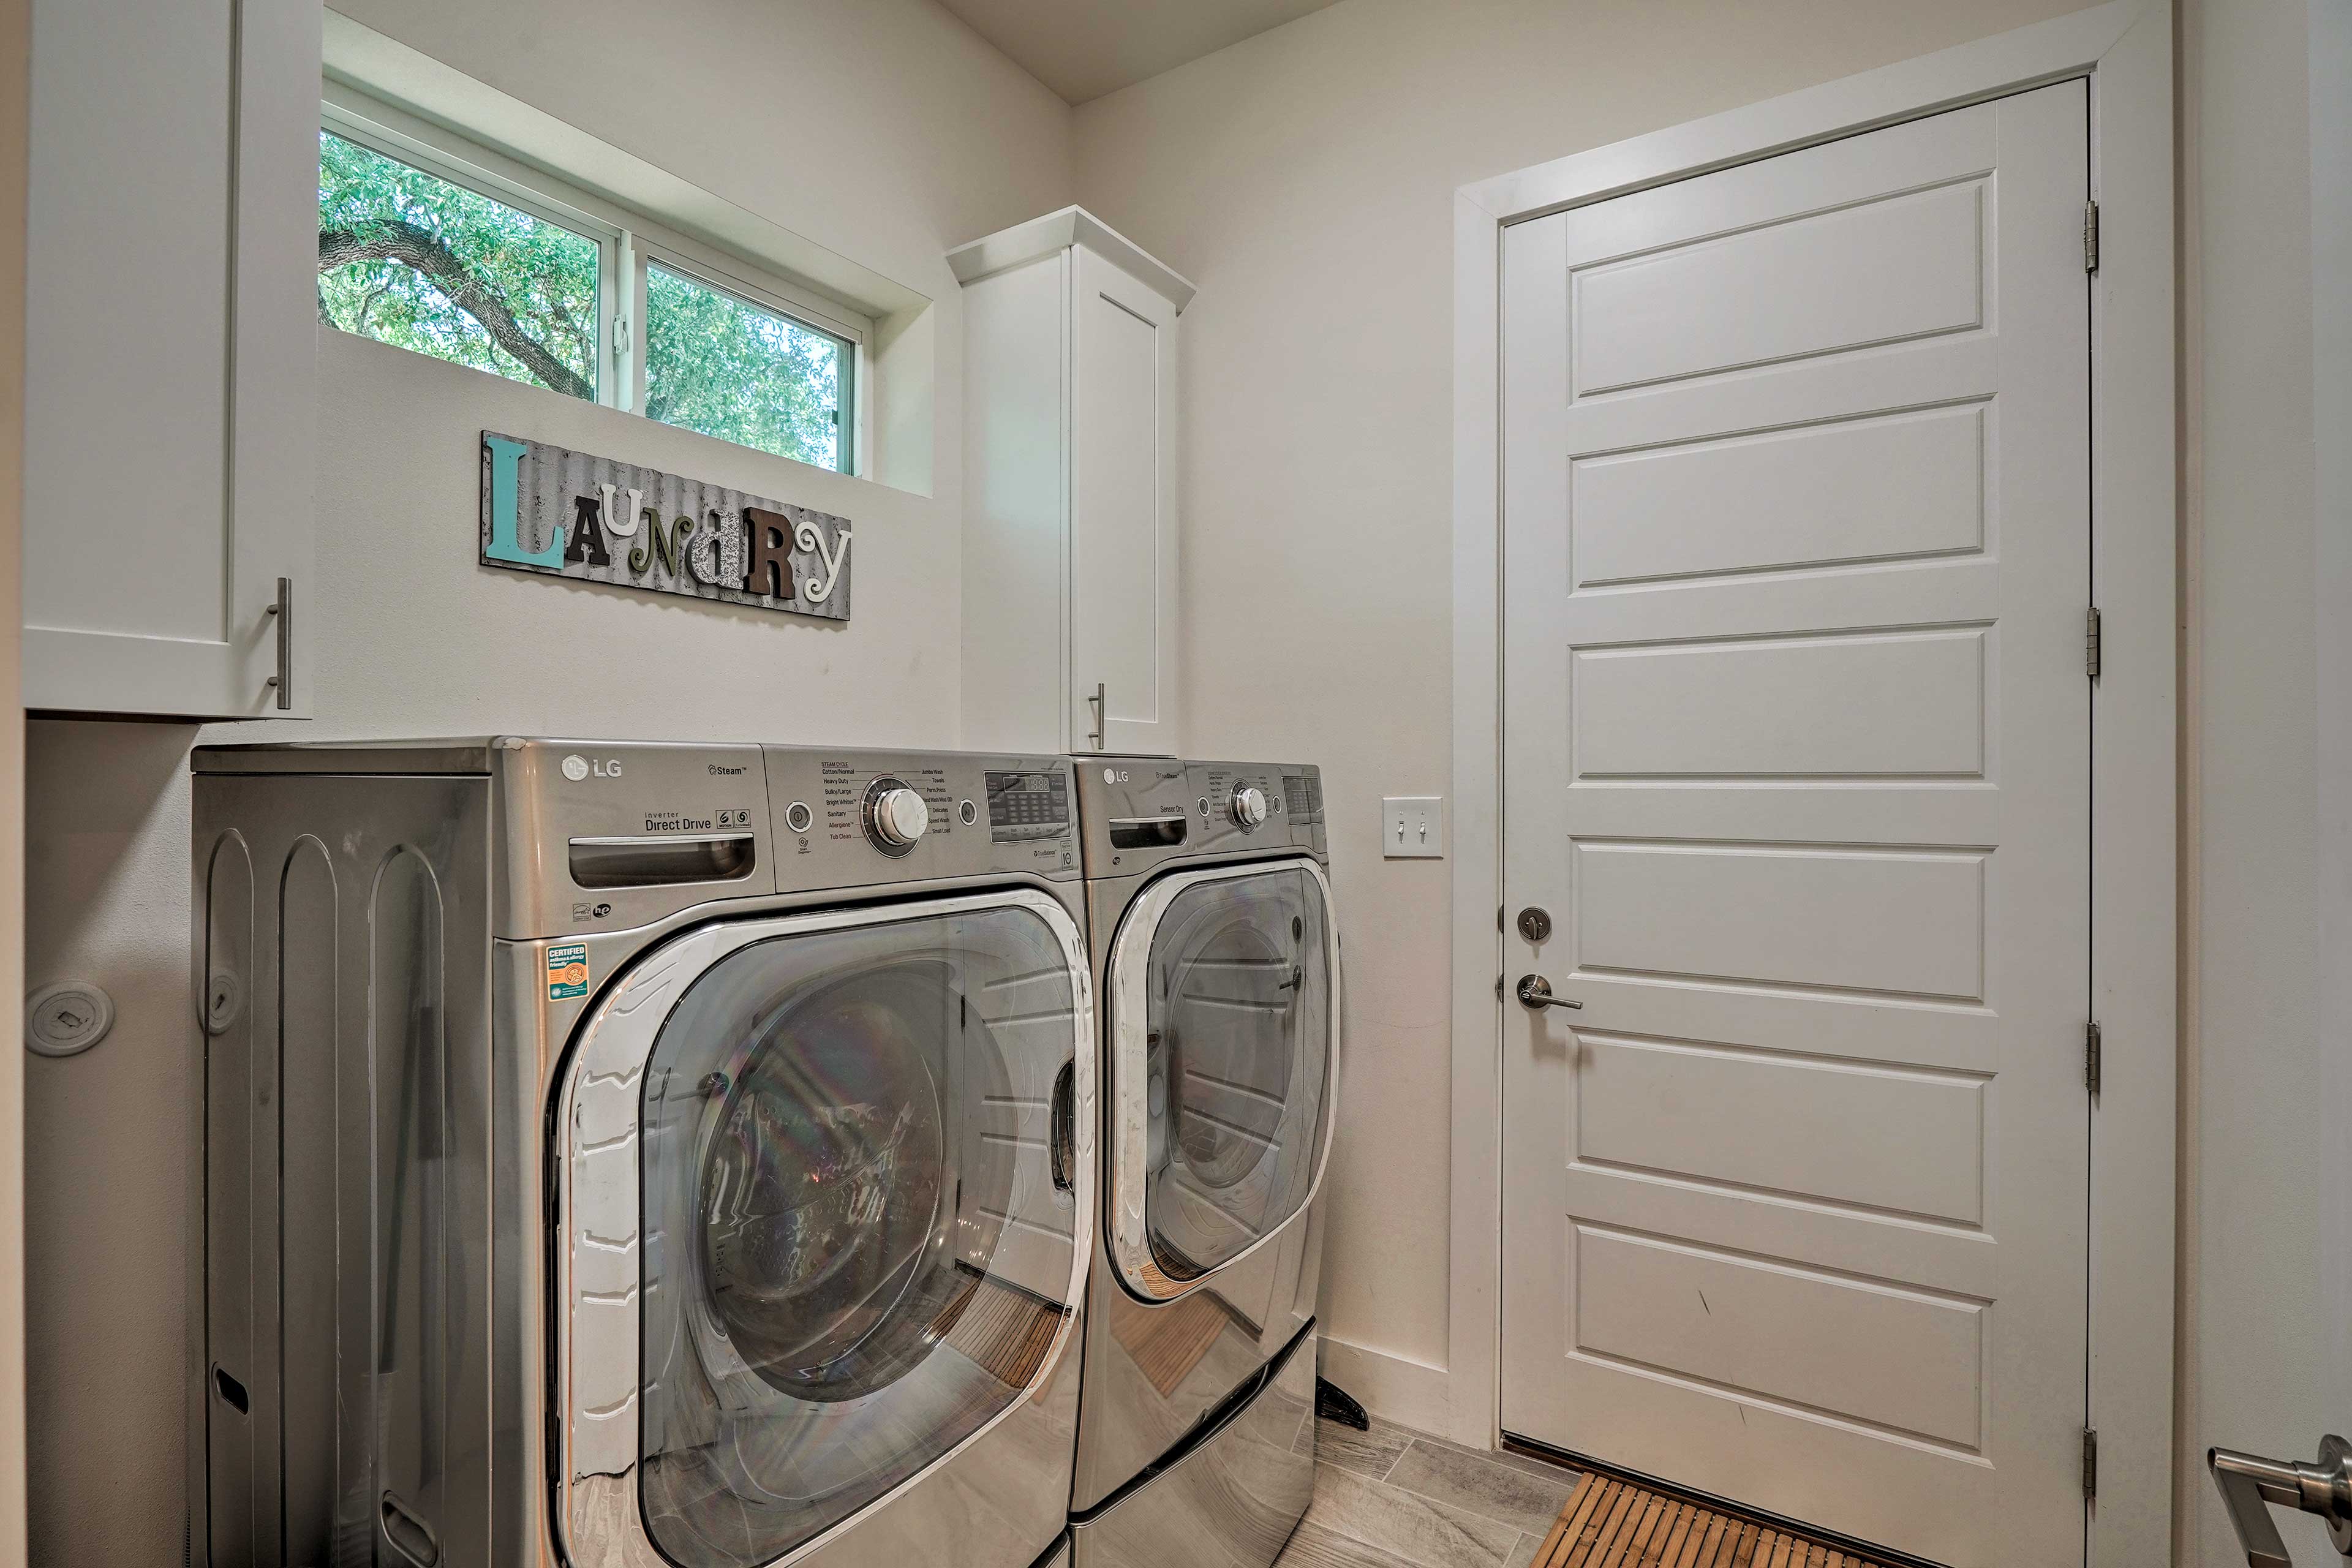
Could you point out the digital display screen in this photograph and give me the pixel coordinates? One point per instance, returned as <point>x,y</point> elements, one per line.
<point>1027,806</point>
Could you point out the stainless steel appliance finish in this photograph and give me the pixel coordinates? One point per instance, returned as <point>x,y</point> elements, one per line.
<point>632,1153</point>
<point>1216,957</point>
<point>1235,1495</point>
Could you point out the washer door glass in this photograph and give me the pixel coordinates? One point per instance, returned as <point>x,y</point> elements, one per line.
<point>857,1216</point>
<point>1237,1051</point>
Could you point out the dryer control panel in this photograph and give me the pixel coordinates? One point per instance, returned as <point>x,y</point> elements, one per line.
<point>1138,812</point>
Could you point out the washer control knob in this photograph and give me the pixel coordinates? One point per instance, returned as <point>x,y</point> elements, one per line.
<point>899,817</point>
<point>1249,806</point>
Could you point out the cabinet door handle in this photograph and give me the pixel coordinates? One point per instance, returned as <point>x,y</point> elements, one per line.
<point>1095,734</point>
<point>283,681</point>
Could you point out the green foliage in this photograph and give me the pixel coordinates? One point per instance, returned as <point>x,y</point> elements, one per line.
<point>720,366</point>
<point>547,275</point>
<point>713,363</point>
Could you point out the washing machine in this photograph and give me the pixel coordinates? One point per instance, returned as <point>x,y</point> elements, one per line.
<point>1217,959</point>
<point>631,1155</point>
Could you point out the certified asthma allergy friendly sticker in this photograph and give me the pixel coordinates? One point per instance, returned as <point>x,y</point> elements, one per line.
<point>567,970</point>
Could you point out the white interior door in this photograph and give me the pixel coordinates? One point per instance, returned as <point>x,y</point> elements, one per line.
<point>1796,493</point>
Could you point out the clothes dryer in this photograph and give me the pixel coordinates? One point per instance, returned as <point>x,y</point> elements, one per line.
<point>637,1154</point>
<point>1217,959</point>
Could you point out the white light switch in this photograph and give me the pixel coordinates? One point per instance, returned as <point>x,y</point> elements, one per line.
<point>1413,827</point>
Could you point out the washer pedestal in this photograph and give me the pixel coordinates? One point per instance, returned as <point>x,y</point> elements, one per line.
<point>1234,1499</point>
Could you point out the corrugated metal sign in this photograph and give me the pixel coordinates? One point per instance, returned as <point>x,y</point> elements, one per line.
<point>572,514</point>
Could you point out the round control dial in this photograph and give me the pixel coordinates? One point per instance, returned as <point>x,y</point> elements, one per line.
<point>1249,806</point>
<point>895,815</point>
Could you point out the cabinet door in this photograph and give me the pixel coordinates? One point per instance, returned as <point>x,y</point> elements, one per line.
<point>170,344</point>
<point>1122,512</point>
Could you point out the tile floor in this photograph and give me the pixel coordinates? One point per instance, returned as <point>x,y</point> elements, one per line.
<point>1392,1498</point>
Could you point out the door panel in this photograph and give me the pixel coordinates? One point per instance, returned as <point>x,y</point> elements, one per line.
<point>1796,559</point>
<point>1122,510</point>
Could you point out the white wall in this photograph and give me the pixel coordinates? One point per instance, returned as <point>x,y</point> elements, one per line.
<point>2262,1344</point>
<point>885,130</point>
<point>1303,179</point>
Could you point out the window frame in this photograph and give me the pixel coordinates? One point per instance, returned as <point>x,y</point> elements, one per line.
<point>627,242</point>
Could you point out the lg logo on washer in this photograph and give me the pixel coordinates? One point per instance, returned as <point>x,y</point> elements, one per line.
<point>577,767</point>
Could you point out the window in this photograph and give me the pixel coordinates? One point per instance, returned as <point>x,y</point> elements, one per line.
<point>429,244</point>
<point>409,258</point>
<point>731,369</point>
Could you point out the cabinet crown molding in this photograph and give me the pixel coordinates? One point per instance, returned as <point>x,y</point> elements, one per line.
<point>1009,248</point>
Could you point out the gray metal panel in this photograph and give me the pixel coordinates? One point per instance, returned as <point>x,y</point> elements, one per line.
<point>1230,1503</point>
<point>666,797</point>
<point>460,755</point>
<point>1117,795</point>
<point>347,1162</point>
<point>834,851</point>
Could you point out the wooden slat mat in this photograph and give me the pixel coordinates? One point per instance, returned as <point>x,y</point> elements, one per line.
<point>1612,1523</point>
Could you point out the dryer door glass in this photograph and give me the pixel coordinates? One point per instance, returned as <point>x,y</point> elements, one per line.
<point>1237,1053</point>
<point>858,1219</point>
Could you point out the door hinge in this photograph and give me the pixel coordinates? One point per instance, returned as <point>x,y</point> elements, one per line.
<point>2091,642</point>
<point>2091,1043</point>
<point>2090,236</point>
<point>2090,1462</point>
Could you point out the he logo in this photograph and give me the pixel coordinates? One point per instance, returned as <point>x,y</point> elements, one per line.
<point>577,767</point>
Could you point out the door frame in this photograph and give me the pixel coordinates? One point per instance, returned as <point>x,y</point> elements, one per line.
<point>2125,47</point>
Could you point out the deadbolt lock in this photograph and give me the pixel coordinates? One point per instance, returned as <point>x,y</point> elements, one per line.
<point>1535,923</point>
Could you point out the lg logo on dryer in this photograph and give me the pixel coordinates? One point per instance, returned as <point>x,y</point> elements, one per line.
<point>577,767</point>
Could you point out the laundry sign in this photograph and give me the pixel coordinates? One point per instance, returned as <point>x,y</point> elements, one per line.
<point>572,514</point>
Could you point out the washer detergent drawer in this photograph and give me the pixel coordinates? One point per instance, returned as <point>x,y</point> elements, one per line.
<point>1232,1500</point>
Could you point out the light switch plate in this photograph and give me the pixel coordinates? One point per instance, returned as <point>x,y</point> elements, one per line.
<point>1412,827</point>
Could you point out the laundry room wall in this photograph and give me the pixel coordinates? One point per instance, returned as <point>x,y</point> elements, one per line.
<point>2264,1362</point>
<point>1305,180</point>
<point>885,130</point>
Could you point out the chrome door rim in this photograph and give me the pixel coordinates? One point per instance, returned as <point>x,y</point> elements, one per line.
<point>630,1017</point>
<point>1127,974</point>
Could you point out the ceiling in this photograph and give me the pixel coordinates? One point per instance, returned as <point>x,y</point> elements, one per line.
<point>1085,48</point>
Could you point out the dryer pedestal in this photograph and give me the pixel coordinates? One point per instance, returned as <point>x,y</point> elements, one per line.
<point>1233,1499</point>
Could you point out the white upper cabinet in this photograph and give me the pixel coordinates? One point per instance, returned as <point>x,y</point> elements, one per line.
<point>170,280</point>
<point>1070,516</point>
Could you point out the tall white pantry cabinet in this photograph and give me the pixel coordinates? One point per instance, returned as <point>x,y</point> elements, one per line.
<point>1070,519</point>
<point>169,352</point>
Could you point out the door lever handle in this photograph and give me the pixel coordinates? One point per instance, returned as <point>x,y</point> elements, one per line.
<point>1535,993</point>
<point>2250,1484</point>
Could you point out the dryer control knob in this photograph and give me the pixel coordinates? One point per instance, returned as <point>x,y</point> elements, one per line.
<point>1249,806</point>
<point>900,816</point>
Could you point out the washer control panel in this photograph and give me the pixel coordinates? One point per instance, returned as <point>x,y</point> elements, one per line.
<point>895,815</point>
<point>849,817</point>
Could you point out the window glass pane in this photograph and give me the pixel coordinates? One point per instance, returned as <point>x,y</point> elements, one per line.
<point>411,259</point>
<point>728,369</point>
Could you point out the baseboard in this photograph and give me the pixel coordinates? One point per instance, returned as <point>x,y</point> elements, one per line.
<point>1392,1387</point>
